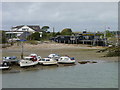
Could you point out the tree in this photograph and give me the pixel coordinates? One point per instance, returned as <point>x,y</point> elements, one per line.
<point>58,33</point>
<point>45,28</point>
<point>108,33</point>
<point>34,36</point>
<point>66,31</point>
<point>4,40</point>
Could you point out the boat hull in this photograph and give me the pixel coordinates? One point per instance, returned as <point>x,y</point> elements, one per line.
<point>66,62</point>
<point>4,68</point>
<point>48,63</point>
<point>28,64</point>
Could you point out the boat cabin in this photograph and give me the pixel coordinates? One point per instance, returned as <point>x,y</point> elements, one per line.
<point>45,59</point>
<point>30,58</point>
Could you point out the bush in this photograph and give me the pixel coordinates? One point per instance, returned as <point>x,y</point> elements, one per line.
<point>114,51</point>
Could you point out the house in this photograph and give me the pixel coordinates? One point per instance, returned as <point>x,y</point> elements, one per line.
<point>83,38</point>
<point>18,31</point>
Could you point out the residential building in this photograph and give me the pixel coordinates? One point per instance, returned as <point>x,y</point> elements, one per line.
<point>20,31</point>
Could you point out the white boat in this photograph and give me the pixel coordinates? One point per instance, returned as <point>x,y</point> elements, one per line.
<point>47,61</point>
<point>28,61</point>
<point>4,67</point>
<point>54,56</point>
<point>31,60</point>
<point>66,60</point>
<point>35,56</point>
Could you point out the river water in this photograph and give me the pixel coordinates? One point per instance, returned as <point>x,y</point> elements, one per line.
<point>98,75</point>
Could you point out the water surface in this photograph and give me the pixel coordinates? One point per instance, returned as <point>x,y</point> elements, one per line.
<point>98,75</point>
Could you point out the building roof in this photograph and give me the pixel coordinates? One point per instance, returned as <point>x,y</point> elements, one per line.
<point>34,27</point>
<point>18,27</point>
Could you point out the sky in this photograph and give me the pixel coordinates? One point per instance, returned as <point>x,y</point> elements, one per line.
<point>79,16</point>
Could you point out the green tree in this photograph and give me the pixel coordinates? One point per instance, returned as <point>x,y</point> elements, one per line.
<point>108,33</point>
<point>66,31</point>
<point>3,37</point>
<point>45,28</point>
<point>34,36</point>
<point>58,33</point>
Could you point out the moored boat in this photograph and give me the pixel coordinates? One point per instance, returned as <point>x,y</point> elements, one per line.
<point>47,61</point>
<point>11,60</point>
<point>28,61</point>
<point>54,56</point>
<point>66,60</point>
<point>31,60</point>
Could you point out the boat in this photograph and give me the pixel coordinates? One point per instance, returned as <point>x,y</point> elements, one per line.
<point>11,60</point>
<point>66,60</point>
<point>35,56</point>
<point>31,60</point>
<point>54,56</point>
<point>47,61</point>
<point>4,66</point>
<point>28,61</point>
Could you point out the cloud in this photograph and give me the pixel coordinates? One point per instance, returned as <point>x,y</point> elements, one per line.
<point>76,15</point>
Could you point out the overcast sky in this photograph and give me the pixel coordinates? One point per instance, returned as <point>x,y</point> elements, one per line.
<point>93,16</point>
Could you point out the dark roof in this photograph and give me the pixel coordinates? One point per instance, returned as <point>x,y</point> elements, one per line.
<point>18,27</point>
<point>34,27</point>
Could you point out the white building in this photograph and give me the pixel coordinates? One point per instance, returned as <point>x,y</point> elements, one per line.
<point>17,31</point>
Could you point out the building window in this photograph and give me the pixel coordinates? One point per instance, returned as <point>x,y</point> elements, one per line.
<point>24,29</point>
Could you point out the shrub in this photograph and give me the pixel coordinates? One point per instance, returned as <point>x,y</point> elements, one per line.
<point>114,51</point>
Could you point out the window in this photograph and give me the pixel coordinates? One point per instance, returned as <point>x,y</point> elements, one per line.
<point>43,59</point>
<point>66,59</point>
<point>47,60</point>
<point>25,29</point>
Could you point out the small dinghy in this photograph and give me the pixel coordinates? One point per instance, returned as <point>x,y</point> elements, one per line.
<point>11,59</point>
<point>66,60</point>
<point>47,61</point>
